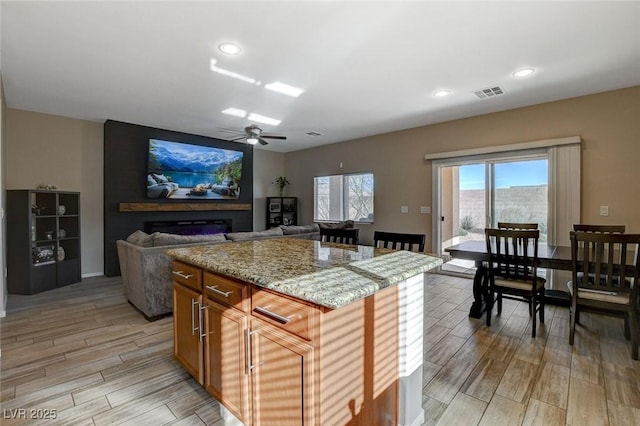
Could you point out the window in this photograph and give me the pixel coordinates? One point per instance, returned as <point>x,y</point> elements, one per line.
<point>344,197</point>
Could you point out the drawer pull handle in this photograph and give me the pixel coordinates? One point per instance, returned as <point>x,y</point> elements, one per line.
<point>214,288</point>
<point>266,312</point>
<point>182,274</point>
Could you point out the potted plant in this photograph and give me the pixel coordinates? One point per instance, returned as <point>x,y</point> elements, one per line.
<point>282,182</point>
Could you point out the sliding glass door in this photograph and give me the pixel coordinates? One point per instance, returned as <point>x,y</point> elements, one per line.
<point>479,193</point>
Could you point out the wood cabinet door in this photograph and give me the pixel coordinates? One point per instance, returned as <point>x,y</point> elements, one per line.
<point>226,376</point>
<point>282,381</point>
<point>187,343</point>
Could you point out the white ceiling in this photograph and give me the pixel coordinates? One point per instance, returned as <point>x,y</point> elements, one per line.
<point>366,67</point>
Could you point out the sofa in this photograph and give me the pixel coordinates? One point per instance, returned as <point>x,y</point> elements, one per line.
<point>146,268</point>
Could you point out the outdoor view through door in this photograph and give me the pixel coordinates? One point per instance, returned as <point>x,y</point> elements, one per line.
<point>480,194</point>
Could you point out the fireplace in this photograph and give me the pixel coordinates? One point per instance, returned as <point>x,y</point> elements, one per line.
<point>189,227</point>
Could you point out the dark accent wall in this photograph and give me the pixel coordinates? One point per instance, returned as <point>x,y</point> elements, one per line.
<point>125,169</point>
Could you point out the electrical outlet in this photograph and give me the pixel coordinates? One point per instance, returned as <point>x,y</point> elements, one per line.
<point>404,209</point>
<point>604,210</point>
<point>425,209</point>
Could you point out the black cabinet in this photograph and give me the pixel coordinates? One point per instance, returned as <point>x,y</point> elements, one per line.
<point>43,240</point>
<point>282,211</point>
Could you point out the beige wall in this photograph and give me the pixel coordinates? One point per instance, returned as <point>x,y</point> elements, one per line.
<point>67,153</point>
<point>609,124</point>
<point>267,166</point>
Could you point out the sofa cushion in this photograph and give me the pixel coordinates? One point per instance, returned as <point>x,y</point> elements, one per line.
<point>164,239</point>
<point>336,225</point>
<point>299,229</point>
<point>243,236</point>
<point>160,178</point>
<point>140,238</point>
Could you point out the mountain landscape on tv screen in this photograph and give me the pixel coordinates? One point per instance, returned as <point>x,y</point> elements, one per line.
<point>178,157</point>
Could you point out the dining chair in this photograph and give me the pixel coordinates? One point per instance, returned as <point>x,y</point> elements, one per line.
<point>607,229</point>
<point>513,260</point>
<point>515,225</point>
<point>343,236</point>
<point>605,279</point>
<point>397,241</point>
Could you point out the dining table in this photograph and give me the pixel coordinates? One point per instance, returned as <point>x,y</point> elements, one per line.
<point>549,257</point>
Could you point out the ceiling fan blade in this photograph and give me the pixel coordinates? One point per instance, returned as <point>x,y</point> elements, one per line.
<point>225,130</point>
<point>238,138</point>
<point>262,141</point>
<point>274,137</point>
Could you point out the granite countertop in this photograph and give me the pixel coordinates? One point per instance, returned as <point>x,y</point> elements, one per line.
<point>328,274</point>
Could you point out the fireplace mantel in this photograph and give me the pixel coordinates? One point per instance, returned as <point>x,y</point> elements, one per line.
<point>181,207</point>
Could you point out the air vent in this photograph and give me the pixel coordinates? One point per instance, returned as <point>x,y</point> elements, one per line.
<point>489,92</point>
<point>312,133</point>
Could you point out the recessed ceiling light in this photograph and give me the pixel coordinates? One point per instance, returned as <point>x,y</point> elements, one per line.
<point>525,72</point>
<point>441,93</point>
<point>236,112</point>
<point>263,119</point>
<point>229,48</point>
<point>284,89</point>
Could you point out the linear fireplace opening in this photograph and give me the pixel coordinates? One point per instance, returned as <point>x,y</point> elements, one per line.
<point>189,227</point>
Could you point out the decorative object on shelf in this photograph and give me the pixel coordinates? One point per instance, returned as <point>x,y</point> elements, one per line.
<point>274,207</point>
<point>62,233</point>
<point>282,182</point>
<point>61,209</point>
<point>42,255</point>
<point>36,209</point>
<point>49,235</point>
<point>61,254</point>
<point>46,187</point>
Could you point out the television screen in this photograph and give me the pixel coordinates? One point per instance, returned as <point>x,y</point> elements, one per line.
<point>185,171</point>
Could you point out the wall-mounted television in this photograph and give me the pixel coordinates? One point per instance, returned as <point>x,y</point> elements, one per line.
<point>178,170</point>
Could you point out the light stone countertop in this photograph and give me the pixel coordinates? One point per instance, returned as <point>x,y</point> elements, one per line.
<point>327,274</point>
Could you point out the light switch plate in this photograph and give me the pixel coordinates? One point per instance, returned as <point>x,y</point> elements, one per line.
<point>604,210</point>
<point>404,209</point>
<point>425,209</point>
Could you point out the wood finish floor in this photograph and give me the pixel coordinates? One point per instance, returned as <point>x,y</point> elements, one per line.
<point>85,352</point>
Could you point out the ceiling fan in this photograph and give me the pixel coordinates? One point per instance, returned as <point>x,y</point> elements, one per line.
<point>253,135</point>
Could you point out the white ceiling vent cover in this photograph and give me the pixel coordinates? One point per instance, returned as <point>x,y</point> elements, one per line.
<point>489,92</point>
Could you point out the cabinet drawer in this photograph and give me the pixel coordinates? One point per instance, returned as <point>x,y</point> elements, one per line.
<point>226,291</point>
<point>295,317</point>
<point>189,275</point>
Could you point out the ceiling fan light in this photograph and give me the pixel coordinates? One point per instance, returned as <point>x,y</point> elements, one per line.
<point>252,141</point>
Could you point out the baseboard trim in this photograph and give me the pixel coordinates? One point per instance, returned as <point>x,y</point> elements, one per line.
<point>93,274</point>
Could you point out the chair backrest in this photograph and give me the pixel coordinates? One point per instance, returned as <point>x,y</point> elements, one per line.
<point>608,229</point>
<point>343,236</point>
<point>398,241</point>
<point>607,256</point>
<point>514,225</point>
<point>513,253</point>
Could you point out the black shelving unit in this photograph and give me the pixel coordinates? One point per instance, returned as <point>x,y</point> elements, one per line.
<point>282,211</point>
<point>43,240</point>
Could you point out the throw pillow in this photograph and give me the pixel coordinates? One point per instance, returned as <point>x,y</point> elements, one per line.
<point>161,178</point>
<point>151,181</point>
<point>140,238</point>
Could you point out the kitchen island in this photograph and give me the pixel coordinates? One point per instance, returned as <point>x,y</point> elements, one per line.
<point>288,331</point>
